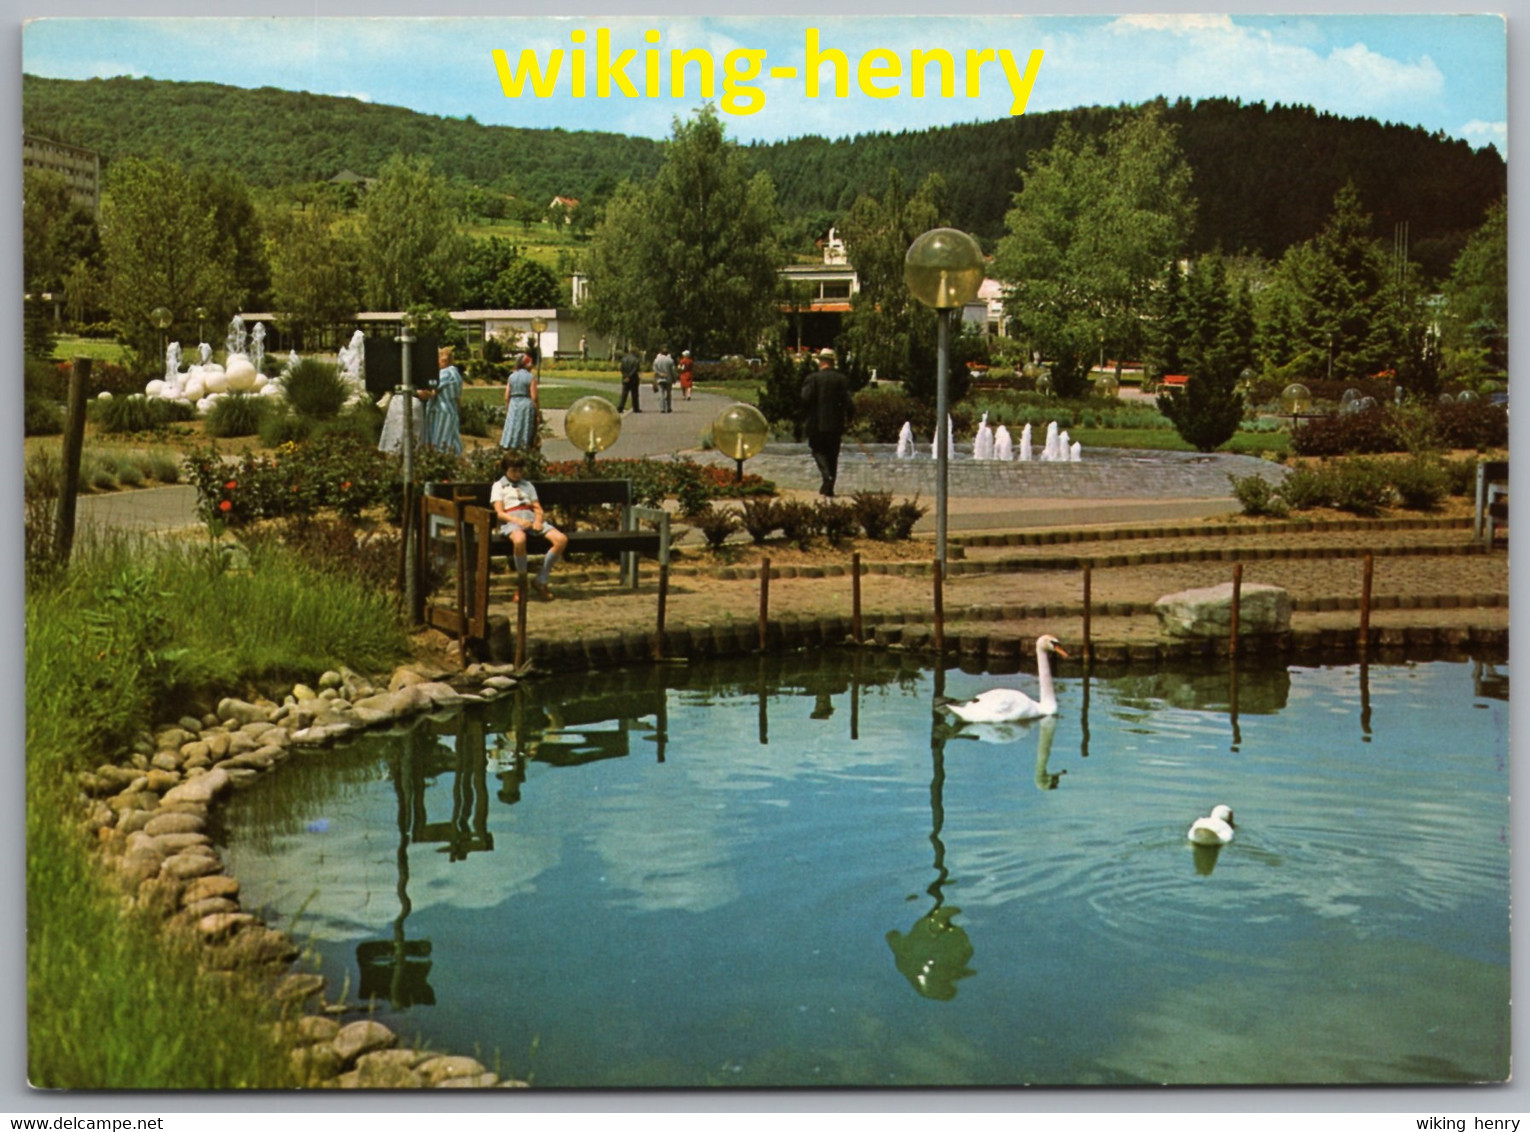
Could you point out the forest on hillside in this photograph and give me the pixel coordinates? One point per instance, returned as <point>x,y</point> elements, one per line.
<point>1264,176</point>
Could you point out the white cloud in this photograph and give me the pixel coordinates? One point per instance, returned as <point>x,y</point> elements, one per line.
<point>1179,24</point>
<point>1480,133</point>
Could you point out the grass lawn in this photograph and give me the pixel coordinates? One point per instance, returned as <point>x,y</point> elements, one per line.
<point>1244,443</point>
<point>97,349</point>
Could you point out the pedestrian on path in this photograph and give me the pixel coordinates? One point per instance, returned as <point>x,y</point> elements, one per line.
<point>632,371</point>
<point>664,379</point>
<point>830,408</point>
<point>687,374</point>
<point>520,429</point>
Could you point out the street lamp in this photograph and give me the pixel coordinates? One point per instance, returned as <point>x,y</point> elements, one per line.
<point>739,432</point>
<point>592,425</point>
<point>161,318</point>
<point>201,321</point>
<point>943,270</point>
<point>406,393</point>
<point>539,325</point>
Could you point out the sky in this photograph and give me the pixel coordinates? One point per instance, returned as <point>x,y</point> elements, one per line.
<point>1445,73</point>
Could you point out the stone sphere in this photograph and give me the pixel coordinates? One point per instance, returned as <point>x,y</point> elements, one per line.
<point>241,373</point>
<point>215,381</point>
<point>740,431</point>
<point>104,395</point>
<point>592,424</point>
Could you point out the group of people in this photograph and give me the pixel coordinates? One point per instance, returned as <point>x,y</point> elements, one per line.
<point>666,373</point>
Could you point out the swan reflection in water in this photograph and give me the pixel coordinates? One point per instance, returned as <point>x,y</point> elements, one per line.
<point>1001,733</point>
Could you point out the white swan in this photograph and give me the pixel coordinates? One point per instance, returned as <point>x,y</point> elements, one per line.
<point>1214,830</point>
<point>1005,705</point>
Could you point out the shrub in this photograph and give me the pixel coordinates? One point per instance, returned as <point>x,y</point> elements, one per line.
<point>138,413</point>
<point>874,513</point>
<point>42,478</point>
<point>836,521</point>
<point>129,474</point>
<point>716,524</point>
<point>280,428</point>
<point>315,389</point>
<point>761,518</point>
<point>1477,424</point>
<point>41,416</point>
<point>1258,497</point>
<point>905,515</point>
<point>1361,487</point>
<point>798,522</point>
<point>1461,476</point>
<point>1421,483</point>
<point>1369,431</point>
<point>1305,488</point>
<point>481,418</point>
<point>879,416</point>
<point>163,466</point>
<point>235,414</point>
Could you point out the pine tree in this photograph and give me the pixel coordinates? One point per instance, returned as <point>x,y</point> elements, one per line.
<point>1218,347</point>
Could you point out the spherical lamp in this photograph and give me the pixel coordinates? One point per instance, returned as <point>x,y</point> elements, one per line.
<point>592,425</point>
<point>1107,386</point>
<point>1295,399</point>
<point>944,268</point>
<point>739,432</point>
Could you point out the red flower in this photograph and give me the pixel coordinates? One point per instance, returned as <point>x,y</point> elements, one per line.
<point>346,486</point>
<point>231,485</point>
<point>225,506</point>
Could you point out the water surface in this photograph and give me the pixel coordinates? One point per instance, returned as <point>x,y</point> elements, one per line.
<point>789,871</point>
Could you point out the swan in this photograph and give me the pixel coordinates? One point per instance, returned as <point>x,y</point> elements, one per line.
<point>1005,705</point>
<point>1214,830</point>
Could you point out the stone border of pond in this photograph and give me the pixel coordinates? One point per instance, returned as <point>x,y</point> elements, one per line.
<point>148,810</point>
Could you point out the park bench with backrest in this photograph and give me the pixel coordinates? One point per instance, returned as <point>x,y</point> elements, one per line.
<point>1492,504</point>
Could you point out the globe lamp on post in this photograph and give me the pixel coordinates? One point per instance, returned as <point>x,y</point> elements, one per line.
<point>739,432</point>
<point>592,425</point>
<point>161,318</point>
<point>1295,399</point>
<point>201,322</point>
<point>943,270</point>
<point>538,325</point>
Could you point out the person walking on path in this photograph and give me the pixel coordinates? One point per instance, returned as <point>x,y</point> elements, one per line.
<point>826,394</point>
<point>687,374</point>
<point>520,429</point>
<point>514,499</point>
<point>443,422</point>
<point>664,379</point>
<point>632,371</point>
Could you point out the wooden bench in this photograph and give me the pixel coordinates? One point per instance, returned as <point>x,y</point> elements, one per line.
<point>1173,383</point>
<point>1492,505</point>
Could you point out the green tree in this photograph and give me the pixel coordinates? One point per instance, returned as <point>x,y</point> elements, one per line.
<point>1335,304</point>
<point>161,247</point>
<point>691,258</point>
<point>1475,327</point>
<point>526,285</point>
<point>482,264</point>
<point>239,230</point>
<point>313,269</point>
<point>1217,346</point>
<point>1093,228</point>
<point>887,328</point>
<point>410,245</point>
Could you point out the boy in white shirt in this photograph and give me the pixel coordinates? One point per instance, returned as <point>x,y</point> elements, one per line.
<point>514,500</point>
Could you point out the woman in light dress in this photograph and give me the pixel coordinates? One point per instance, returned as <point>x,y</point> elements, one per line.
<point>520,407</point>
<point>443,425</point>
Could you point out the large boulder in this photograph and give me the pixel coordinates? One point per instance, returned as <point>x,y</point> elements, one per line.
<point>1208,612</point>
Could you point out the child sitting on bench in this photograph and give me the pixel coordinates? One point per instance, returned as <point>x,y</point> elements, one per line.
<point>514,500</point>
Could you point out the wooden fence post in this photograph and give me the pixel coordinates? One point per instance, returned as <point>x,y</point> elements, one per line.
<point>74,445</point>
<point>1088,581</point>
<point>1237,597</point>
<point>855,596</point>
<point>1365,602</point>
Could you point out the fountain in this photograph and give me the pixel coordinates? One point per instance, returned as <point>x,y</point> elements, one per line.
<point>1049,450</point>
<point>234,343</point>
<point>950,441</point>
<point>1003,445</point>
<point>982,445</point>
<point>1064,445</point>
<point>906,442</point>
<point>1025,445</point>
<point>258,350</point>
<point>1075,452</point>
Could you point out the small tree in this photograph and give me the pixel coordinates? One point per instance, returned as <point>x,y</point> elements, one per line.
<point>1218,347</point>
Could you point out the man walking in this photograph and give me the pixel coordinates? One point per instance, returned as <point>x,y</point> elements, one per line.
<point>664,378</point>
<point>632,369</point>
<point>826,394</point>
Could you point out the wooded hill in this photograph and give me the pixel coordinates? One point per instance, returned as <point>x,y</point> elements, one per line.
<point>1265,177</point>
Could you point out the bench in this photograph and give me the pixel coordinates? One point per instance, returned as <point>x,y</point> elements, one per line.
<point>1492,505</point>
<point>1173,382</point>
<point>628,540</point>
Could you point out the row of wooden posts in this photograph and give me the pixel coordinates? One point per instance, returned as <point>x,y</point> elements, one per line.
<point>938,574</point>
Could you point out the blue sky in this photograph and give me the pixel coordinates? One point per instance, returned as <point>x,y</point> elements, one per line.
<point>1440,72</point>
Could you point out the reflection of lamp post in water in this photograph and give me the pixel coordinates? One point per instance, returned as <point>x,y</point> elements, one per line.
<point>943,269</point>
<point>934,954</point>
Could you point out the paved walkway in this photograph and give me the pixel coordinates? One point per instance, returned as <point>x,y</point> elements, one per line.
<point>1107,486</point>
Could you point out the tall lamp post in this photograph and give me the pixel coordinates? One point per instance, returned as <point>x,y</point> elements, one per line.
<point>406,392</point>
<point>539,325</point>
<point>161,318</point>
<point>943,270</point>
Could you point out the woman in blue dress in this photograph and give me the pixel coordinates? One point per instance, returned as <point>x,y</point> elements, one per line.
<point>443,426</point>
<point>520,408</point>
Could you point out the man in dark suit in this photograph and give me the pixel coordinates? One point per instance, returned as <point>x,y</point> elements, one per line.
<point>632,370</point>
<point>826,394</point>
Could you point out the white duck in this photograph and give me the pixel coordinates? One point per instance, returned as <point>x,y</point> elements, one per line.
<point>1214,830</point>
<point>1006,705</point>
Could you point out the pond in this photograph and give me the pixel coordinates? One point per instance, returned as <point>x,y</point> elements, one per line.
<point>789,871</point>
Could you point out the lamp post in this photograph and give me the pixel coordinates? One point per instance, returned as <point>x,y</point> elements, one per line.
<point>201,321</point>
<point>592,425</point>
<point>739,432</point>
<point>406,392</point>
<point>539,325</point>
<point>943,270</point>
<point>161,318</point>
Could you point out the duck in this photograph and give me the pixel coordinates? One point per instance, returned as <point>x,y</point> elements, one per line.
<point>1214,830</point>
<point>1007,705</point>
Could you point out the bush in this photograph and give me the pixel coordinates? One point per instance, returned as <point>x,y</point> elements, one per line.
<point>1421,483</point>
<point>41,416</point>
<point>798,522</point>
<point>1305,488</point>
<point>315,389</point>
<point>761,518</point>
<point>874,513</point>
<point>905,515</point>
<point>481,418</point>
<point>1361,487</point>
<point>137,413</point>
<point>716,524</point>
<point>1461,476</point>
<point>283,427</point>
<point>1480,425</point>
<point>1258,497</point>
<point>836,521</point>
<point>235,414</point>
<point>879,416</point>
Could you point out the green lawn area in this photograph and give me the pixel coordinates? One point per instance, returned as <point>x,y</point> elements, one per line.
<point>1244,443</point>
<point>552,395</point>
<point>97,349</point>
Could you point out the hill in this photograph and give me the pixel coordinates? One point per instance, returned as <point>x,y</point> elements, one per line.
<point>1265,176</point>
